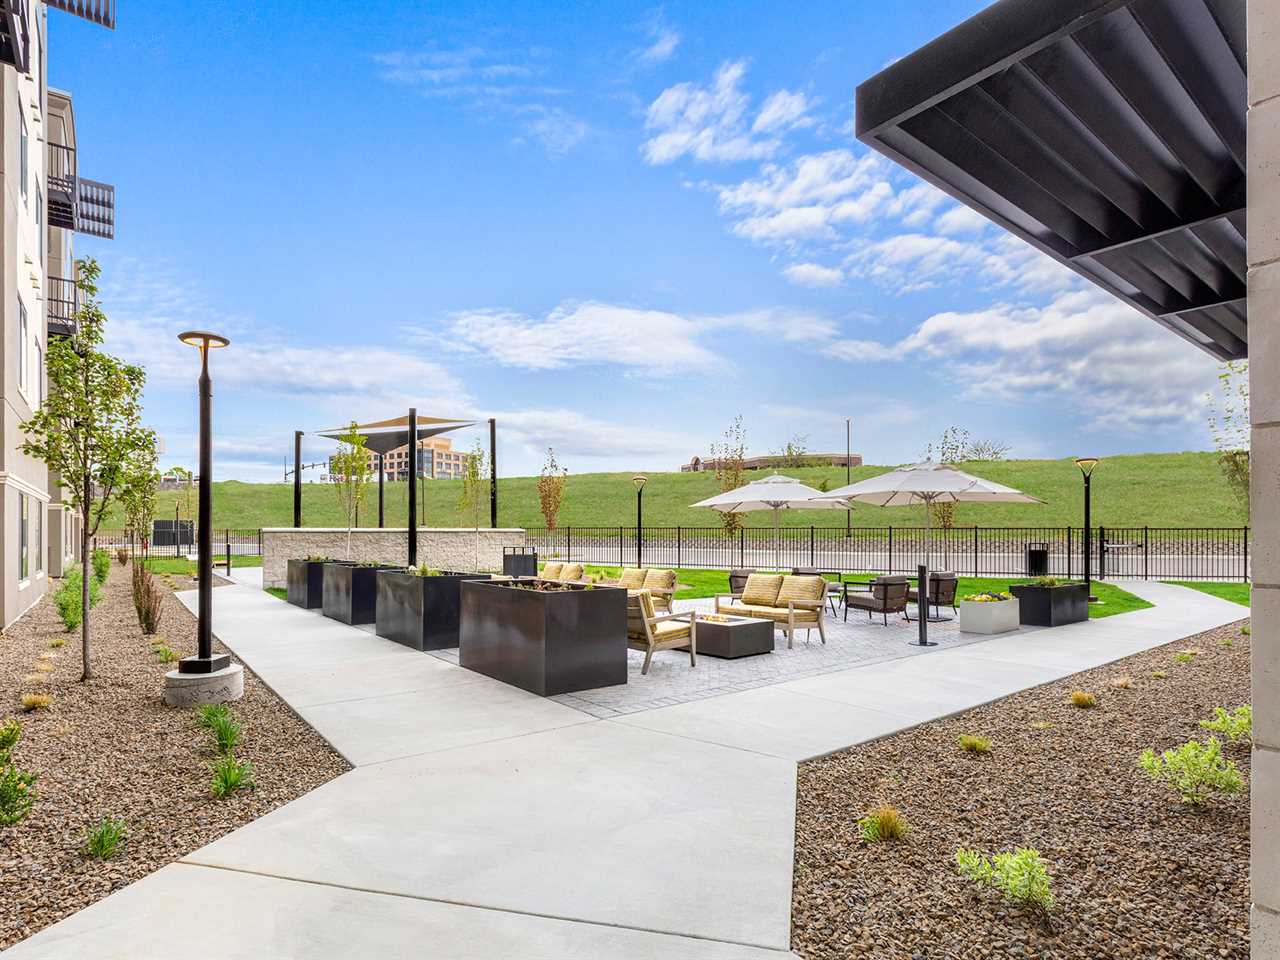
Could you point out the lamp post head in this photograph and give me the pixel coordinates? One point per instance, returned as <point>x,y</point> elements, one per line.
<point>203,339</point>
<point>639,480</point>
<point>1086,464</point>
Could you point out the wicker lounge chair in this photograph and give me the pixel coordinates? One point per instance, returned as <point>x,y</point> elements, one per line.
<point>649,630</point>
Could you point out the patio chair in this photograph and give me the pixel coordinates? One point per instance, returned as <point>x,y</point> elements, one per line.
<point>887,595</point>
<point>551,571</point>
<point>649,630</point>
<point>631,578</point>
<point>942,589</point>
<point>569,573</point>
<point>833,588</point>
<point>738,578</point>
<point>661,585</point>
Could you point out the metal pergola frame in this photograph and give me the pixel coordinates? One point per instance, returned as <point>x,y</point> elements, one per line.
<point>1109,134</point>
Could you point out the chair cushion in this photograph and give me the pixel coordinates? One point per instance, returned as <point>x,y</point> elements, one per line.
<point>660,580</point>
<point>805,588</point>
<point>671,630</point>
<point>631,578</point>
<point>762,589</point>
<point>639,609</point>
<point>571,571</point>
<point>551,570</point>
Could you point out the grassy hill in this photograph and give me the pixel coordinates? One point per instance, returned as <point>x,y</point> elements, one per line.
<point>1176,490</point>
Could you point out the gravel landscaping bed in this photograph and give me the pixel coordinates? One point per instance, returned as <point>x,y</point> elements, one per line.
<point>109,747</point>
<point>1136,872</point>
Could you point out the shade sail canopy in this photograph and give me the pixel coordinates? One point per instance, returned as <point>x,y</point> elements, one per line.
<point>772,493</point>
<point>383,436</point>
<point>927,482</point>
<point>1109,134</point>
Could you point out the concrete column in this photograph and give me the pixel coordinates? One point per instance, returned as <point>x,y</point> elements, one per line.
<point>1264,404</point>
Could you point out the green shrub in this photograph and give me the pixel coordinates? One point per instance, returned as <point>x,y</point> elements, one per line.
<point>1194,769</point>
<point>10,734</point>
<point>103,838</point>
<point>1020,876</point>
<point>16,794</point>
<point>230,775</point>
<point>1184,656</point>
<point>1236,726</point>
<point>1226,642</point>
<point>101,561</point>
<point>67,597</point>
<point>208,713</point>
<point>1083,699</point>
<point>148,600</point>
<point>882,823</point>
<point>226,732</point>
<point>164,654</point>
<point>972,743</point>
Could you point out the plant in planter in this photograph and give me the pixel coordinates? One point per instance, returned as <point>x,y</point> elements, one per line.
<point>542,637</point>
<point>1050,602</point>
<point>420,606</point>
<point>989,612</point>
<point>306,582</point>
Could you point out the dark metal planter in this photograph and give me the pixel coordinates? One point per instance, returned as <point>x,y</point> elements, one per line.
<point>306,583</point>
<point>350,592</point>
<point>421,612</point>
<point>1051,606</point>
<point>546,643</point>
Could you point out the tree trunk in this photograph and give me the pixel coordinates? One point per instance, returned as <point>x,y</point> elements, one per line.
<point>86,571</point>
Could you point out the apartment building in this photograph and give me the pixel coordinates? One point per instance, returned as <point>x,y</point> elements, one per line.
<point>46,203</point>
<point>437,460</point>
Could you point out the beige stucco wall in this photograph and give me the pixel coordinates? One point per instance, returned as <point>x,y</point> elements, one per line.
<point>1264,409</point>
<point>443,548</point>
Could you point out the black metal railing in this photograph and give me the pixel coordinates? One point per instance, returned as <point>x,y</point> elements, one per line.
<point>1156,553</point>
<point>101,12</point>
<point>63,301</point>
<point>74,202</point>
<point>168,541</point>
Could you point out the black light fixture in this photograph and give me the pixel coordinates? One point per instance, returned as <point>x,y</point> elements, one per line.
<point>204,661</point>
<point>639,480</point>
<point>1086,465</point>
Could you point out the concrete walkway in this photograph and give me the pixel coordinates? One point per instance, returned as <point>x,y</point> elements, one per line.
<point>483,822</point>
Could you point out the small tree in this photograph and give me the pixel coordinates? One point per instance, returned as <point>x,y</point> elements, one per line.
<point>793,453</point>
<point>551,483</point>
<point>956,445</point>
<point>187,479</point>
<point>474,489</point>
<point>1229,426</point>
<point>351,476</point>
<point>139,482</point>
<point>89,428</point>
<point>730,457</point>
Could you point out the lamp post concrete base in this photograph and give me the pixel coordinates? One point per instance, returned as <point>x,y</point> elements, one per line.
<point>193,689</point>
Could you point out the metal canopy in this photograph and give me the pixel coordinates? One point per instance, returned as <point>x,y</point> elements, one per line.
<point>1110,134</point>
<point>383,436</point>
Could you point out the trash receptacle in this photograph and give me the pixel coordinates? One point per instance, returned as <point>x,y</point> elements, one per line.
<point>1037,559</point>
<point>520,561</point>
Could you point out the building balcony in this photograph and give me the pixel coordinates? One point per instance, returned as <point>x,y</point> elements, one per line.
<point>62,301</point>
<point>101,12</point>
<point>85,206</point>
<point>15,37</point>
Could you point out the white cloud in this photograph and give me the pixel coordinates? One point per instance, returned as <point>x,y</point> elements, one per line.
<point>573,434</point>
<point>961,219</point>
<point>813,275</point>
<point>710,124</point>
<point>909,262</point>
<point>663,47</point>
<point>557,131</point>
<point>777,323</point>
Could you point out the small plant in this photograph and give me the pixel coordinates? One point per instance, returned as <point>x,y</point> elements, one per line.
<point>988,596</point>
<point>1159,674</point>
<point>66,599</point>
<point>35,679</point>
<point>1083,700</point>
<point>1041,725</point>
<point>1020,876</point>
<point>1194,769</point>
<point>35,701</point>
<point>972,743</point>
<point>882,823</point>
<point>1245,631</point>
<point>122,555</point>
<point>101,562</point>
<point>164,654</point>
<point>1236,726</point>
<point>1184,656</point>
<point>16,794</point>
<point>148,601</point>
<point>1226,642</point>
<point>57,642</point>
<point>1122,683</point>
<point>207,714</point>
<point>226,732</point>
<point>10,734</point>
<point>423,570</point>
<point>103,839</point>
<point>230,775</point>
<point>1047,582</point>
<point>45,666</point>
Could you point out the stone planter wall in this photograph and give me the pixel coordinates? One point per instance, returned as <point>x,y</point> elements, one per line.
<point>442,548</point>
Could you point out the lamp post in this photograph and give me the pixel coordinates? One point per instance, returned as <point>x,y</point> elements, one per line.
<point>639,480</point>
<point>204,661</point>
<point>1086,465</point>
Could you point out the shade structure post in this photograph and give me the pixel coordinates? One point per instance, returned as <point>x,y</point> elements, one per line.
<point>381,473</point>
<point>413,487</point>
<point>922,607</point>
<point>493,473</point>
<point>297,478</point>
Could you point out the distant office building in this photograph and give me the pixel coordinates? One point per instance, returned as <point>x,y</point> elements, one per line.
<point>697,464</point>
<point>437,460</point>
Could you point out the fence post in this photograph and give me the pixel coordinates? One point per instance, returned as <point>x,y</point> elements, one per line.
<point>259,541</point>
<point>568,543</point>
<point>1102,553</point>
<point>890,570</point>
<point>742,546</point>
<point>620,563</point>
<point>1068,553</point>
<point>1146,552</point>
<point>678,563</point>
<point>811,563</point>
<point>1244,573</point>
<point>975,549</point>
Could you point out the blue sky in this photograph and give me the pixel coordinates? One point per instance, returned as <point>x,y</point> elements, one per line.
<point>612,226</point>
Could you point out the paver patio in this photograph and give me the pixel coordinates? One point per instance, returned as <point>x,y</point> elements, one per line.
<point>486,822</point>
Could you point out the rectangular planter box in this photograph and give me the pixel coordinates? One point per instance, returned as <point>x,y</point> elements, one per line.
<point>1051,606</point>
<point>421,612</point>
<point>350,592</point>
<point>546,643</point>
<point>996,617</point>
<point>306,583</point>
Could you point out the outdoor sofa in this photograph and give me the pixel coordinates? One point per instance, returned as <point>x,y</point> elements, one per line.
<point>792,603</point>
<point>649,630</point>
<point>563,572</point>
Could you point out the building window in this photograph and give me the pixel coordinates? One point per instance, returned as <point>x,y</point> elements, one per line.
<point>22,154</point>
<point>23,506</point>
<point>40,223</point>
<point>22,345</point>
<point>38,539</point>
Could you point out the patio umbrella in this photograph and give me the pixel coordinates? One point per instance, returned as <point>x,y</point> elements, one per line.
<point>776,493</point>
<point>927,483</point>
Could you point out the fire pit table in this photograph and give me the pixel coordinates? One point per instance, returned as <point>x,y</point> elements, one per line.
<point>729,637</point>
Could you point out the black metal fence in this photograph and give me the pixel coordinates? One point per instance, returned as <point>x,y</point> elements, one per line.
<point>240,542</point>
<point>1156,553</point>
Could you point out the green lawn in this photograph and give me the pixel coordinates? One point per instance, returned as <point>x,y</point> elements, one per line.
<point>707,583</point>
<point>181,565</point>
<point>1235,592</point>
<point>1178,489</point>
<point>280,593</point>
